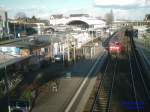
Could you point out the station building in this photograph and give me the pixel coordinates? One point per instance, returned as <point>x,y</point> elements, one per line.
<point>79,20</point>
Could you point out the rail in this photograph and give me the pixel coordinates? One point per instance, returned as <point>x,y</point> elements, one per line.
<point>103,98</point>
<point>83,83</point>
<point>133,83</point>
<point>137,76</point>
<point>141,75</point>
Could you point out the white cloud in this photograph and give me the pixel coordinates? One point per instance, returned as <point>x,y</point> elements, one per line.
<point>121,2</point>
<point>114,2</point>
<point>129,14</point>
<point>121,14</point>
<point>125,9</point>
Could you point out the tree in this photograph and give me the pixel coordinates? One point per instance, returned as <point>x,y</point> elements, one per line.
<point>109,18</point>
<point>33,19</point>
<point>20,15</point>
<point>147,17</point>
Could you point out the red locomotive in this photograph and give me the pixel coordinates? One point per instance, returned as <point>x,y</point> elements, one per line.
<point>116,45</point>
<point>119,43</point>
<point>116,48</point>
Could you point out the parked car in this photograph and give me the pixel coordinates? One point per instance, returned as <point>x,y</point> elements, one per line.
<point>16,110</point>
<point>58,58</point>
<point>19,106</point>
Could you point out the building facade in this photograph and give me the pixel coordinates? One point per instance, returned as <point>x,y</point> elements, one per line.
<point>78,20</point>
<point>147,17</point>
<point>4,29</point>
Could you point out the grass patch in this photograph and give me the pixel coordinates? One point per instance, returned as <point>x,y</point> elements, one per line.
<point>8,41</point>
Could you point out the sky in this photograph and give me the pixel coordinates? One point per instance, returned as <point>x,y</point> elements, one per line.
<point>122,9</point>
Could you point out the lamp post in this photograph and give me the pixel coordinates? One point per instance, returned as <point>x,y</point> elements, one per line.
<point>14,30</point>
<point>92,44</point>
<point>68,51</point>
<point>63,45</point>
<point>51,47</point>
<point>24,27</point>
<point>74,50</point>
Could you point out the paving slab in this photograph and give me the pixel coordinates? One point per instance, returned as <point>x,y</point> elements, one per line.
<point>57,101</point>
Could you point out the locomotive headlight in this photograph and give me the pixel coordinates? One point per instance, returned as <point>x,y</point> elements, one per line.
<point>117,48</point>
<point>111,47</point>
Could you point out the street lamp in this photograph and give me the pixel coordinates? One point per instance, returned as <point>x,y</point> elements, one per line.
<point>63,45</point>
<point>74,49</point>
<point>91,49</point>
<point>68,51</point>
<point>51,45</point>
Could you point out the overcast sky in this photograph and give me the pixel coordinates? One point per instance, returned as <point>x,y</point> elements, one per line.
<point>123,9</point>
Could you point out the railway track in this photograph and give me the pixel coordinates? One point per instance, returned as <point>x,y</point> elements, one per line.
<point>139,83</point>
<point>103,99</point>
<point>123,86</point>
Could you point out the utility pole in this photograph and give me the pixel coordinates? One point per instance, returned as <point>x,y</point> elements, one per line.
<point>93,43</point>
<point>51,45</point>
<point>63,53</point>
<point>60,47</point>
<point>92,46</point>
<point>24,27</point>
<point>14,30</point>
<point>74,52</point>
<point>68,49</point>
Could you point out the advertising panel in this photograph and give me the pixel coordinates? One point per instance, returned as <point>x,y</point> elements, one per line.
<point>24,52</point>
<point>10,50</point>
